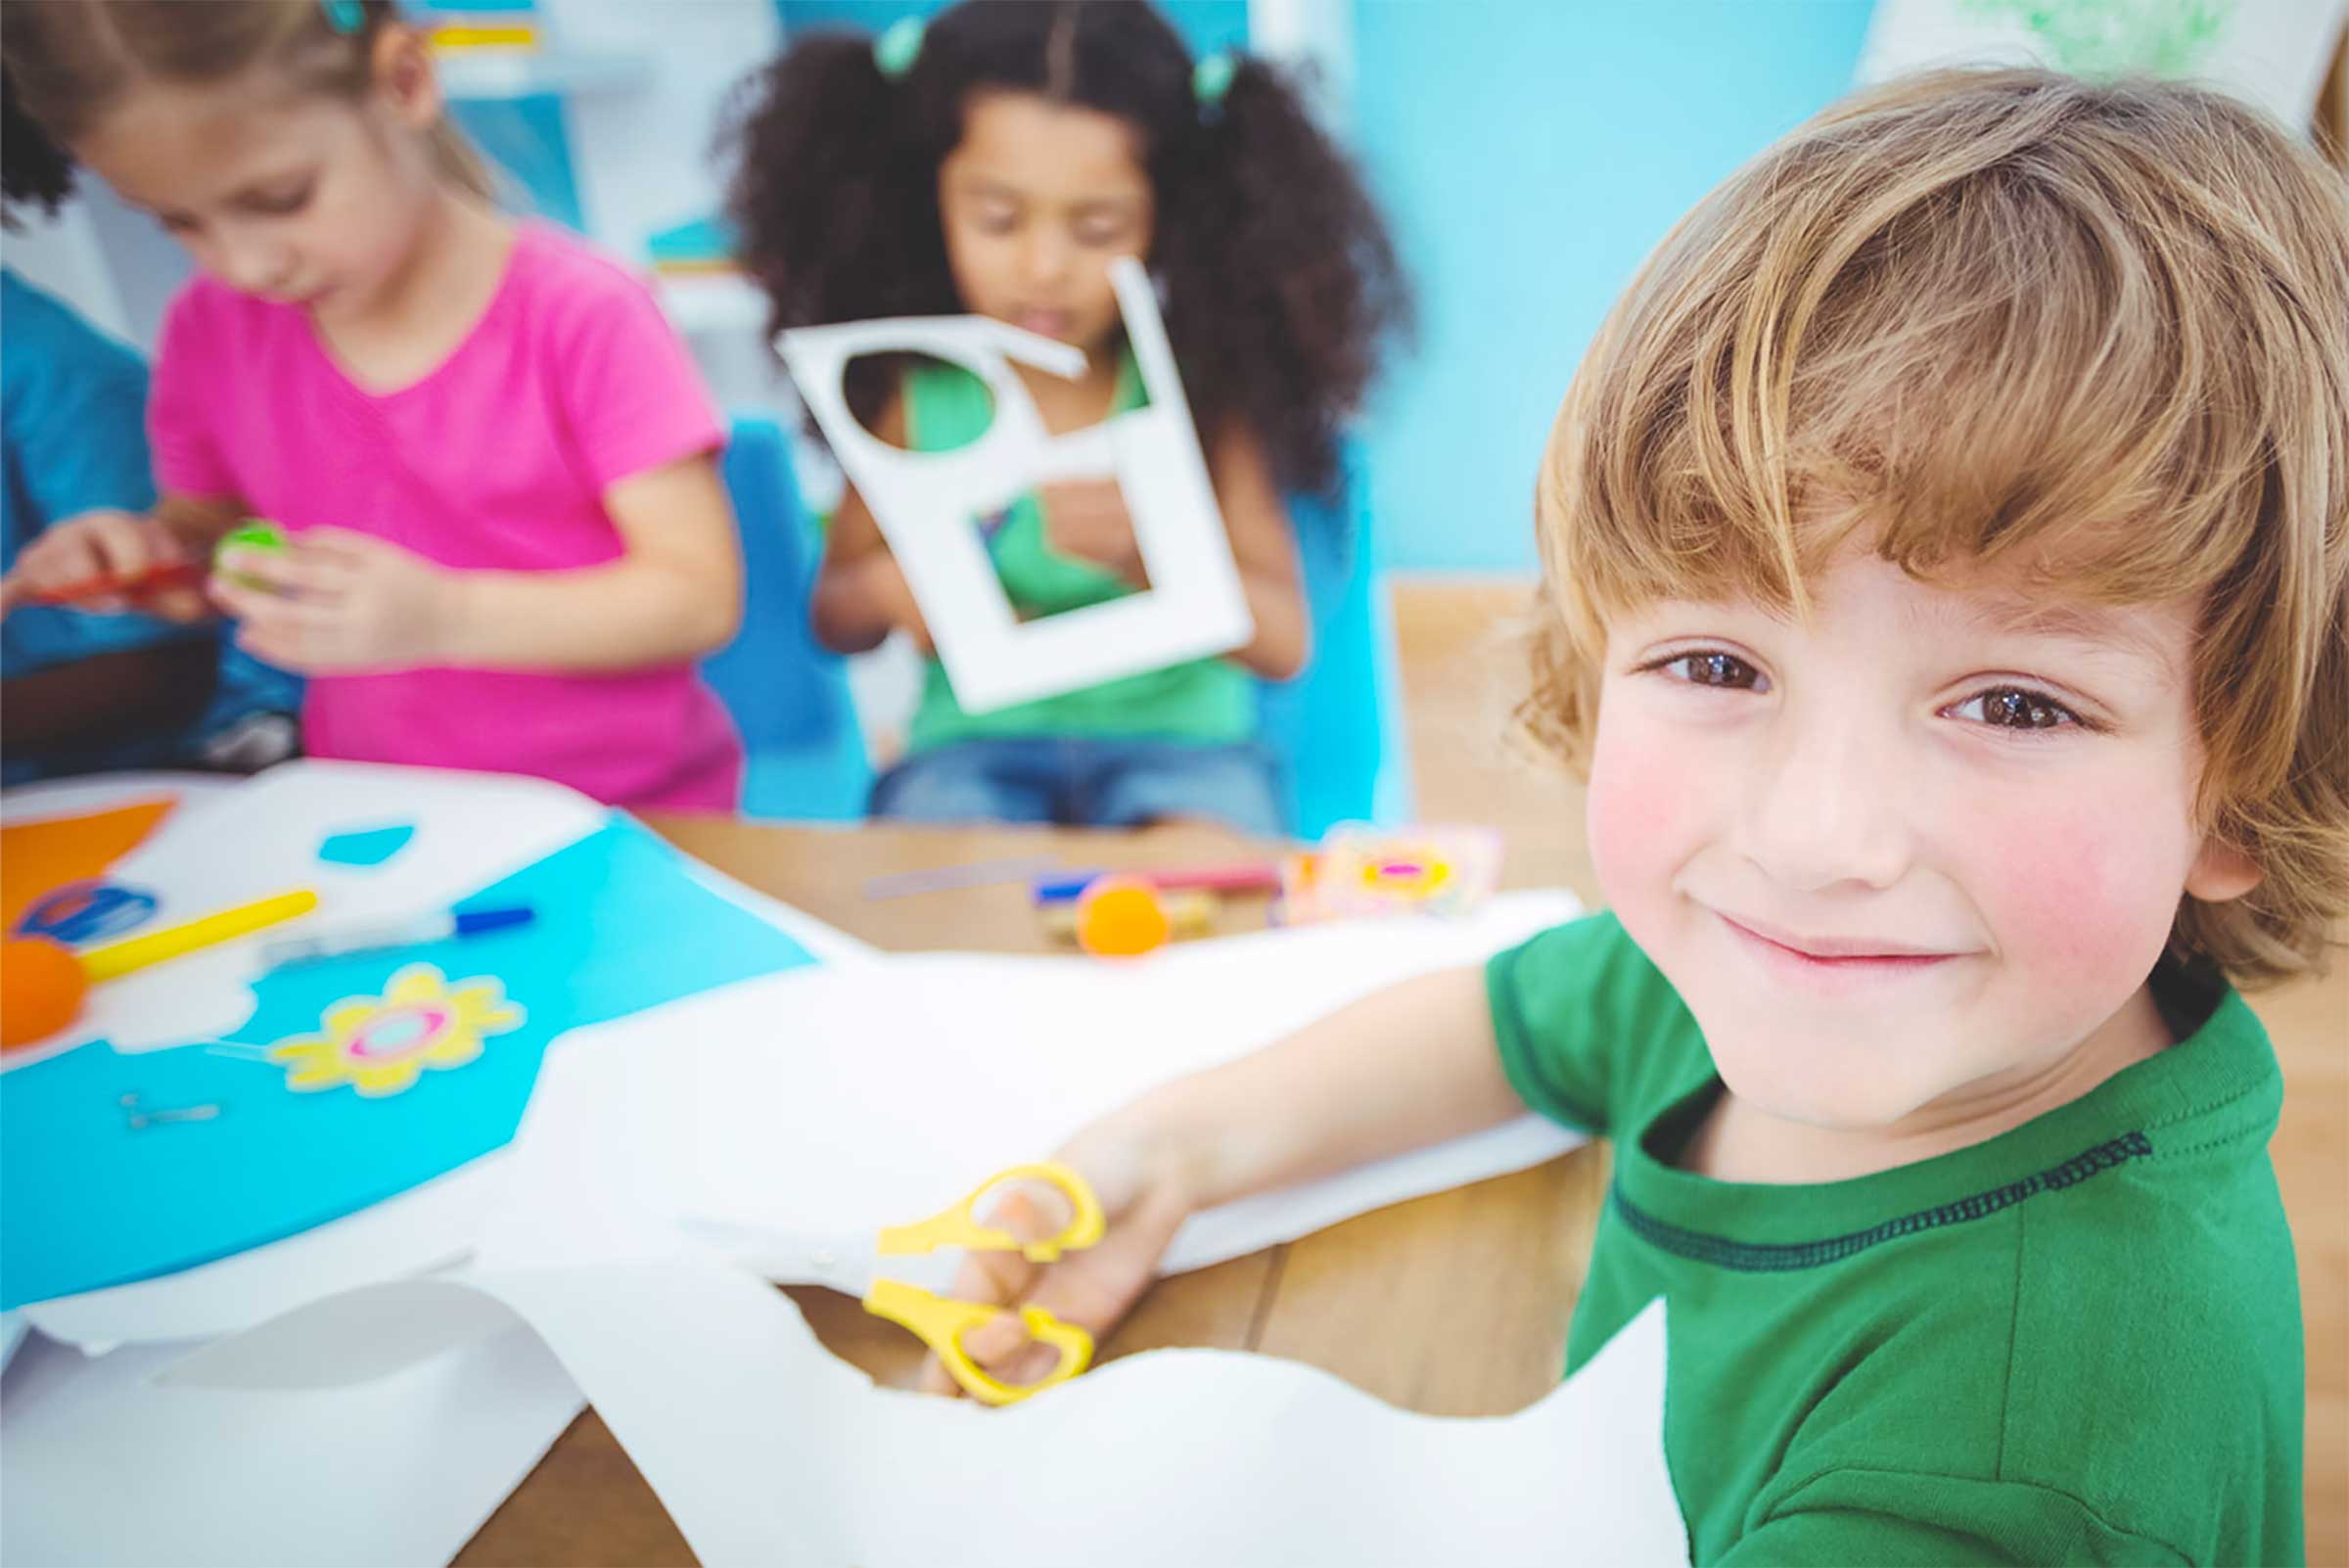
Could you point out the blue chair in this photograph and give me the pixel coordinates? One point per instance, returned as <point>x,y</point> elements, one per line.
<point>789,697</point>
<point>1336,729</point>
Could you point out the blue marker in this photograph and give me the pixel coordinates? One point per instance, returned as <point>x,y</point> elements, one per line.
<point>452,927</point>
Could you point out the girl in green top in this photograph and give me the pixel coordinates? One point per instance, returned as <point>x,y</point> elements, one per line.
<point>996,163</point>
<point>1949,599</point>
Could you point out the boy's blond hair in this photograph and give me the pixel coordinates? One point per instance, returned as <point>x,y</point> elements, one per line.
<point>2100,333</point>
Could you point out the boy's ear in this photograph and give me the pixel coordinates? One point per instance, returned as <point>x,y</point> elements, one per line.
<point>2220,872</point>
<point>404,75</point>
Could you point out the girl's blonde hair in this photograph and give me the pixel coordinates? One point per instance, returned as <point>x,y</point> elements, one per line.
<point>2097,333</point>
<point>75,60</point>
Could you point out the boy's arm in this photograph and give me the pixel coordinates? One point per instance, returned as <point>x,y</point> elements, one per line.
<point>1411,1066</point>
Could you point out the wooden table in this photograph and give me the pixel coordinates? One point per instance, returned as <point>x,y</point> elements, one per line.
<point>1452,1304</point>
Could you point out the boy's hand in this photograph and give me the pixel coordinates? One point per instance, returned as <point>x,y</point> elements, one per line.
<point>1087,519</point>
<point>123,546</point>
<point>339,603</point>
<point>1144,1200</point>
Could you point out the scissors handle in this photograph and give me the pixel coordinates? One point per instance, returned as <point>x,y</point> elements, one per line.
<point>941,1325</point>
<point>956,1227</point>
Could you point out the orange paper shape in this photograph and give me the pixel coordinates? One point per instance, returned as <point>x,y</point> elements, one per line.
<point>36,858</point>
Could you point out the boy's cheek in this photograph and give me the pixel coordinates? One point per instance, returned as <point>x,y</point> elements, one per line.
<point>2080,890</point>
<point>1641,810</point>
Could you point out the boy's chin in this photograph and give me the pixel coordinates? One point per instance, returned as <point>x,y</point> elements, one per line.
<point>1826,1091</point>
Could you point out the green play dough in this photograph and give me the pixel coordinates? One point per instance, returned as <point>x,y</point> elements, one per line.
<point>256,533</point>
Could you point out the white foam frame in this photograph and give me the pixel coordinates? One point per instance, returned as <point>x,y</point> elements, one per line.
<point>926,503</point>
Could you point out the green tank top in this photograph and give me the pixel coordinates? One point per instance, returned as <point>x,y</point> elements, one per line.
<point>1206,701</point>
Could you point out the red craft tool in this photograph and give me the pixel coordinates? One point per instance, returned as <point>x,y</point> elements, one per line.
<point>177,575</point>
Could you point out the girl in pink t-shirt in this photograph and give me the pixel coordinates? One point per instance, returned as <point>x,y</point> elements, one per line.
<point>493,459</point>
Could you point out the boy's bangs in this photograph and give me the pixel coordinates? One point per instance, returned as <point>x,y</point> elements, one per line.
<point>1985,378</point>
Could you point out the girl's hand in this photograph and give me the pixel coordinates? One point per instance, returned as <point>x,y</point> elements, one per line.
<point>886,581</point>
<point>339,603</point>
<point>123,546</point>
<point>1145,1198</point>
<point>1087,519</point>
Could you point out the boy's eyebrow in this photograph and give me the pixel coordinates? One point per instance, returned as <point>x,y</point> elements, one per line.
<point>2071,621</point>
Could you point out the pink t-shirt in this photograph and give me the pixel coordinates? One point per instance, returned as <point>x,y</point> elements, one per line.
<point>499,459</point>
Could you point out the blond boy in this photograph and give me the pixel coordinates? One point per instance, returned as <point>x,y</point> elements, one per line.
<point>1945,565</point>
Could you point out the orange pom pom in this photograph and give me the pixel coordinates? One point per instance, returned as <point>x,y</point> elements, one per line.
<point>41,987</point>
<point>1120,917</point>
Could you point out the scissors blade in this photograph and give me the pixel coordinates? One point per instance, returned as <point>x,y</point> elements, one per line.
<point>846,1262</point>
<point>843,1263</point>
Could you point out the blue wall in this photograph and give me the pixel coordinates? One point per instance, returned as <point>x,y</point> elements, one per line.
<point>1530,155</point>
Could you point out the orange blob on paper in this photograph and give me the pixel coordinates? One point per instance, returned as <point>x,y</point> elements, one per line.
<point>36,858</point>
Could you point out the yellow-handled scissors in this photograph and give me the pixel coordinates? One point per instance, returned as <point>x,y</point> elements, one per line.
<point>852,1265</point>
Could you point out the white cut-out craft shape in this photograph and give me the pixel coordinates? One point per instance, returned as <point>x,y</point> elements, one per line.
<point>927,503</point>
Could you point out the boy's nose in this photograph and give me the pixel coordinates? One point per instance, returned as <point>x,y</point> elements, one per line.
<point>1828,808</point>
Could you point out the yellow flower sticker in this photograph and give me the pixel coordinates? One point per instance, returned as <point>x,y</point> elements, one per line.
<point>380,1046</point>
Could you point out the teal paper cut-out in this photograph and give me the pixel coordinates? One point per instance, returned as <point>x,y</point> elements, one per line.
<point>366,847</point>
<point>87,1200</point>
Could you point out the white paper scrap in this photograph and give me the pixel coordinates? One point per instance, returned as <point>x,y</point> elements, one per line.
<point>100,1466</point>
<point>768,1450</point>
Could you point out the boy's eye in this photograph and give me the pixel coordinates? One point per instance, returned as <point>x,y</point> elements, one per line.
<point>2015,707</point>
<point>1714,668</point>
<point>1100,231</point>
<point>996,219</point>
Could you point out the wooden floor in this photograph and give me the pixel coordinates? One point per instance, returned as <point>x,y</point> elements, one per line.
<point>1462,672</point>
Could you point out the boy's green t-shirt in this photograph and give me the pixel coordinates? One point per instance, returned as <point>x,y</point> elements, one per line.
<point>1205,702</point>
<point>2078,1342</point>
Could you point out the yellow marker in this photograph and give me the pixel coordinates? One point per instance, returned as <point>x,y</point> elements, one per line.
<point>120,959</point>
<point>458,37</point>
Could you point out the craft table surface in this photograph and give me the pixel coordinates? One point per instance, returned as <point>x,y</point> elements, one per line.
<point>1454,1305</point>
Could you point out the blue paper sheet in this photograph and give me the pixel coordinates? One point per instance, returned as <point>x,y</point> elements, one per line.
<point>87,1200</point>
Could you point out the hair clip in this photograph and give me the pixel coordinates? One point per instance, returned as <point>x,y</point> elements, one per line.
<point>897,49</point>
<point>1210,80</point>
<point>346,16</point>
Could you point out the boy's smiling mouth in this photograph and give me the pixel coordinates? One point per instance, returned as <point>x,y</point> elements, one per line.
<point>1836,962</point>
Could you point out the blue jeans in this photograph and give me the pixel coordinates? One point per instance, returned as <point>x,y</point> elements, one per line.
<point>1085,782</point>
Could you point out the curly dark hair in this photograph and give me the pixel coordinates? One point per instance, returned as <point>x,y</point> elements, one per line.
<point>32,166</point>
<point>1281,285</point>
